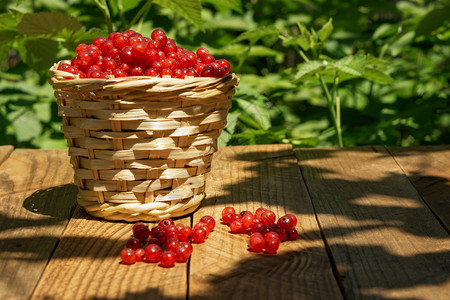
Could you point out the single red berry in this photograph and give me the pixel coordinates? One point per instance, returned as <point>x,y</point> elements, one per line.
<point>139,50</point>
<point>133,243</point>
<point>109,65</point>
<point>168,259</point>
<point>169,48</point>
<point>235,217</point>
<point>119,73</point>
<point>63,66</point>
<point>207,72</point>
<point>199,235</point>
<point>126,55</point>
<point>80,74</point>
<point>199,67</point>
<point>272,245</point>
<point>286,222</point>
<point>135,39</point>
<point>141,232</point>
<point>112,52</point>
<point>157,65</point>
<point>153,253</point>
<point>171,232</point>
<point>112,35</point>
<point>150,57</point>
<point>219,72</point>
<point>247,220</point>
<point>185,234</point>
<point>224,64</point>
<point>207,59</point>
<point>191,72</point>
<point>97,74</point>
<point>171,244</point>
<point>166,72</point>
<point>228,209</point>
<point>81,47</point>
<point>140,253</point>
<point>136,71</point>
<point>157,32</point>
<point>129,33</point>
<point>179,73</point>
<point>294,219</point>
<point>154,45</point>
<point>209,221</point>
<point>85,59</point>
<point>155,230</point>
<point>256,227</point>
<point>151,72</point>
<point>236,226</point>
<point>160,36</point>
<point>256,242</point>
<point>154,241</point>
<point>120,41</point>
<point>182,253</point>
<point>165,222</point>
<point>98,41</point>
<point>179,226</point>
<point>259,212</point>
<point>202,52</point>
<point>265,229</point>
<point>268,217</point>
<point>204,226</point>
<point>169,63</point>
<point>292,234</point>
<point>282,233</point>
<point>105,46</point>
<point>226,218</point>
<point>271,235</point>
<point>128,256</point>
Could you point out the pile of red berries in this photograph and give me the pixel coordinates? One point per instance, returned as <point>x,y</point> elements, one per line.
<point>265,234</point>
<point>166,243</point>
<point>129,53</point>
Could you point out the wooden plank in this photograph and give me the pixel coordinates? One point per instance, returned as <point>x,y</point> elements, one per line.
<point>37,198</point>
<point>385,241</point>
<point>86,265</point>
<point>428,168</point>
<point>248,177</point>
<point>5,151</point>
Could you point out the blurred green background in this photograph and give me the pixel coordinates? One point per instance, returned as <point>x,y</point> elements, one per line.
<point>384,65</point>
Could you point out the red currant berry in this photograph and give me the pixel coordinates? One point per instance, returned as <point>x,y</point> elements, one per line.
<point>171,244</point>
<point>98,41</point>
<point>126,55</point>
<point>169,48</point>
<point>154,45</point>
<point>154,241</point>
<point>135,39</point>
<point>207,59</point>
<point>112,52</point>
<point>128,256</point>
<point>105,46</point>
<point>226,218</point>
<point>247,220</point>
<point>209,221</point>
<point>140,253</point>
<point>268,217</point>
<point>129,33</point>
<point>112,35</point>
<point>151,72</point>
<point>63,66</point>
<point>119,73</point>
<point>182,254</point>
<point>150,57</point>
<point>282,233</point>
<point>202,52</point>
<point>286,222</point>
<point>165,222</point>
<point>141,232</point>
<point>139,50</point>
<point>236,226</point>
<point>256,227</point>
<point>199,235</point>
<point>153,253</point>
<point>157,65</point>
<point>97,74</point>
<point>228,209</point>
<point>259,212</point>
<point>292,234</point>
<point>168,259</point>
<point>136,71</point>
<point>85,59</point>
<point>256,242</point>
<point>120,41</point>
<point>109,65</point>
<point>133,243</point>
<point>294,219</point>
<point>219,72</point>
<point>204,226</point>
<point>224,64</point>
<point>271,235</point>
<point>188,246</point>
<point>166,72</point>
<point>272,245</point>
<point>81,47</point>
<point>185,234</point>
<point>207,72</point>
<point>191,72</point>
<point>160,36</point>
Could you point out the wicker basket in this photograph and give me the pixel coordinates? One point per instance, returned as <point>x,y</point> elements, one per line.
<point>140,146</point>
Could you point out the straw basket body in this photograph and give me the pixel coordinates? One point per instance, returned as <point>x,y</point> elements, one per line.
<point>140,146</point>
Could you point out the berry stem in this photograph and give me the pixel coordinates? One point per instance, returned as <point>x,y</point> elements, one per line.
<point>140,12</point>
<point>105,10</point>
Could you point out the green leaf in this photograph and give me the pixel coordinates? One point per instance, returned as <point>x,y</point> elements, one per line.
<point>255,35</point>
<point>398,46</point>
<point>45,23</point>
<point>25,124</point>
<point>7,36</point>
<point>235,5</point>
<point>384,30</point>
<point>433,20</point>
<point>307,69</point>
<point>129,4</point>
<point>300,41</point>
<point>255,113</point>
<point>39,54</point>
<point>351,65</point>
<point>377,76</point>
<point>9,21</point>
<point>326,30</point>
<point>191,10</point>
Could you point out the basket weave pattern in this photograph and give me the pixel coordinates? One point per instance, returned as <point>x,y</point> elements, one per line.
<point>140,146</point>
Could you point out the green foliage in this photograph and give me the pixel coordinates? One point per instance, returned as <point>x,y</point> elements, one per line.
<point>313,73</point>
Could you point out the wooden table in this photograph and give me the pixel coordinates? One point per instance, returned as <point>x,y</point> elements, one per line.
<point>373,224</point>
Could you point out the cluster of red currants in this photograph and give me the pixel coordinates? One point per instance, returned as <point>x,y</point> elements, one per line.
<point>166,243</point>
<point>265,234</point>
<point>129,53</point>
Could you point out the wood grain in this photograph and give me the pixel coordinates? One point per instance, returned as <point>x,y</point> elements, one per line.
<point>86,265</point>
<point>37,199</point>
<point>5,151</point>
<point>385,241</point>
<point>428,168</point>
<point>247,178</point>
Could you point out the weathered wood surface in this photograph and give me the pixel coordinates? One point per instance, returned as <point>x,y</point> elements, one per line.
<point>385,241</point>
<point>36,203</point>
<point>248,178</point>
<point>372,225</point>
<point>428,168</point>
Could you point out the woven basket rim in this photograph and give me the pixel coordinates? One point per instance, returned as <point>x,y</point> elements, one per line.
<point>59,76</point>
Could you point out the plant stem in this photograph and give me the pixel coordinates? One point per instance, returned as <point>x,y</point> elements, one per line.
<point>139,14</point>
<point>121,12</point>
<point>337,103</point>
<point>105,11</point>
